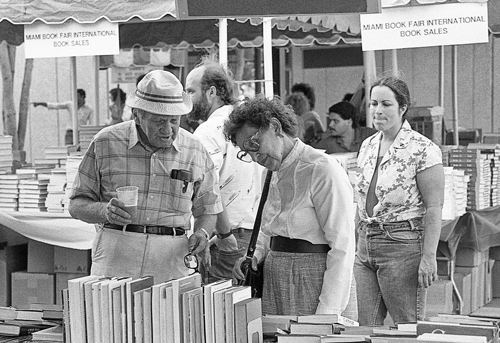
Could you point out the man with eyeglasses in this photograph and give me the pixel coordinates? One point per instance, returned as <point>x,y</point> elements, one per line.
<point>176,178</point>
<point>211,89</point>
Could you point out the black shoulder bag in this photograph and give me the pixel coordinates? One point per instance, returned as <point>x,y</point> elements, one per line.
<point>255,278</point>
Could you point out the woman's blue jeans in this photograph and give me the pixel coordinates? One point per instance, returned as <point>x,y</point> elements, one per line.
<point>386,271</point>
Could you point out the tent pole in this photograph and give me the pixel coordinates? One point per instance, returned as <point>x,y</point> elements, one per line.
<point>369,78</point>
<point>268,57</point>
<point>93,120</point>
<point>395,69</point>
<point>454,94</point>
<point>492,83</point>
<point>74,99</point>
<point>441,76</point>
<point>223,42</point>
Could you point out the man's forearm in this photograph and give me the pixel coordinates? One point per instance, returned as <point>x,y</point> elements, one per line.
<point>205,221</point>
<point>88,210</point>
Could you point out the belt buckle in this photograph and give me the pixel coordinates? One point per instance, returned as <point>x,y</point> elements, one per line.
<point>174,232</point>
<point>144,229</point>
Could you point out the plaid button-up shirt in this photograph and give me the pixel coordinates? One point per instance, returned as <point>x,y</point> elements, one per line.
<point>116,157</point>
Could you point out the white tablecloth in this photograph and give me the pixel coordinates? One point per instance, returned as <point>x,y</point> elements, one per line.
<point>51,228</point>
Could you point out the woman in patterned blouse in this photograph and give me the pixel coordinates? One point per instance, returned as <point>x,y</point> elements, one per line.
<point>400,190</point>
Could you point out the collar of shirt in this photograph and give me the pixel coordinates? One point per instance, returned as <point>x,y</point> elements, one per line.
<point>293,155</point>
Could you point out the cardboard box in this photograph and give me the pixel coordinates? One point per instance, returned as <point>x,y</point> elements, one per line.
<point>466,257</point>
<point>463,283</point>
<point>477,284</point>
<point>488,281</point>
<point>62,283</point>
<point>32,288</point>
<point>495,280</point>
<point>71,261</point>
<point>444,266</point>
<point>439,298</point>
<point>12,258</point>
<point>40,257</point>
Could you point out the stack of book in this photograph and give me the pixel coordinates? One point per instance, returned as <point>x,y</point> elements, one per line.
<point>455,193</point>
<point>492,154</point>
<point>56,190</point>
<point>320,328</point>
<point>72,164</point>
<point>6,156</point>
<point>459,328</point>
<point>32,195</point>
<point>9,191</point>
<point>85,135</point>
<point>118,309</point>
<point>477,166</point>
<point>19,322</point>
<point>57,154</point>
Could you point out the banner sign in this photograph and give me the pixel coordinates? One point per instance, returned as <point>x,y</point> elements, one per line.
<point>130,74</point>
<point>425,25</point>
<point>71,39</point>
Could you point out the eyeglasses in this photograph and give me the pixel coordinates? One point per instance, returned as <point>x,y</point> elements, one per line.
<point>191,262</point>
<point>249,145</point>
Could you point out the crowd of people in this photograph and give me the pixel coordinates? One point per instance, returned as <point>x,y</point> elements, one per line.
<point>320,235</point>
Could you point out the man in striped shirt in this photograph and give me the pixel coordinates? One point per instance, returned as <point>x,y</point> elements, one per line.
<point>176,180</point>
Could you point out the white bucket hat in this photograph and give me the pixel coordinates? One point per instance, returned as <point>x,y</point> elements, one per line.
<point>160,92</point>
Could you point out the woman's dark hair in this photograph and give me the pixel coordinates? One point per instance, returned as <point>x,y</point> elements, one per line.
<point>115,92</point>
<point>346,111</point>
<point>258,112</point>
<point>299,103</point>
<point>398,87</point>
<point>308,91</point>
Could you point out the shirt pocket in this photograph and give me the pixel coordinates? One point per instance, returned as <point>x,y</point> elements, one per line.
<point>180,195</point>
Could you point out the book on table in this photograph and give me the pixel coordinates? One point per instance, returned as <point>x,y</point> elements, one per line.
<point>130,288</point>
<point>77,308</point>
<point>231,297</point>
<point>179,286</point>
<point>93,306</point>
<point>16,327</point>
<point>106,306</point>
<point>327,318</point>
<point>52,334</point>
<point>166,313</point>
<point>208,299</point>
<point>248,320</point>
<point>158,319</point>
<point>147,316</point>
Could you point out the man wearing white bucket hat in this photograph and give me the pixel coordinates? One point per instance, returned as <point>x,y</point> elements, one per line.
<point>176,179</point>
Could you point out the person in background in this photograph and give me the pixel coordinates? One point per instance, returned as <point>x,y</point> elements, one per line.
<point>84,113</point>
<point>211,89</point>
<point>300,105</point>
<point>312,121</point>
<point>400,190</point>
<point>176,178</point>
<point>307,238</point>
<point>117,98</point>
<point>344,133</point>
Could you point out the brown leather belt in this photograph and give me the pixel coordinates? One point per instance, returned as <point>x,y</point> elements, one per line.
<point>285,244</point>
<point>153,230</point>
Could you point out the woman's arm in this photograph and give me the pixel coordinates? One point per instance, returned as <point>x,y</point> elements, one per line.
<point>430,183</point>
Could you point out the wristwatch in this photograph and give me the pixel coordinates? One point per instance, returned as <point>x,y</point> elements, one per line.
<point>224,235</point>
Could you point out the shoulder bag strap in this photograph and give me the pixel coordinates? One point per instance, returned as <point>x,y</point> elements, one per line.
<point>256,225</point>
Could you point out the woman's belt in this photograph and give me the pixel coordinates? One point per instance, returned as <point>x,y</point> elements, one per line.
<point>285,244</point>
<point>153,230</point>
